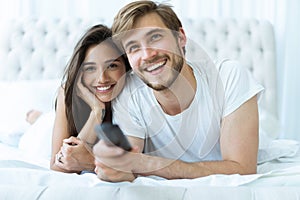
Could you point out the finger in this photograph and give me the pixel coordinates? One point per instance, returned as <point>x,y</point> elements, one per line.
<point>101,175</point>
<point>99,164</point>
<point>96,170</point>
<point>72,141</point>
<point>66,149</point>
<point>58,159</point>
<point>135,149</point>
<point>102,149</point>
<point>79,84</point>
<point>112,175</point>
<point>65,146</point>
<point>105,173</point>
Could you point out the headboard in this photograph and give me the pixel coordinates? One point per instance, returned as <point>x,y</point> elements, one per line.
<point>32,49</point>
<point>250,41</point>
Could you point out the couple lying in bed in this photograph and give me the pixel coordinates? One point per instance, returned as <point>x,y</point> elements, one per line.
<point>184,119</point>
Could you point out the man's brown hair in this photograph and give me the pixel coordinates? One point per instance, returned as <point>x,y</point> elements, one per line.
<point>126,17</point>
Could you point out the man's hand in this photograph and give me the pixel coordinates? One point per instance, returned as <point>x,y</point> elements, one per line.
<point>115,164</point>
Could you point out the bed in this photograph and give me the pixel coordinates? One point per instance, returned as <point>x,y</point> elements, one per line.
<point>33,53</point>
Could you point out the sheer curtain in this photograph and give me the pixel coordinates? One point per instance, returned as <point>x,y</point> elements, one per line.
<point>291,80</point>
<point>284,15</point>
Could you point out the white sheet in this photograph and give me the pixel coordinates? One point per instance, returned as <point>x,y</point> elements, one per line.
<point>44,184</point>
<point>11,154</point>
<point>25,177</point>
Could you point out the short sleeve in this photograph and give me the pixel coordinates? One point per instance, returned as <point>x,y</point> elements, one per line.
<point>239,85</point>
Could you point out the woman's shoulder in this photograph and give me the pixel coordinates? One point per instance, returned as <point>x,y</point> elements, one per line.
<point>61,92</point>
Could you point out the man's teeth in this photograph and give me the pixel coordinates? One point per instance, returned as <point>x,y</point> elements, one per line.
<point>103,88</point>
<point>154,67</point>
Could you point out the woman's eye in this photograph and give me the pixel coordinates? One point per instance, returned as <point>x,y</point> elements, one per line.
<point>112,65</point>
<point>89,68</point>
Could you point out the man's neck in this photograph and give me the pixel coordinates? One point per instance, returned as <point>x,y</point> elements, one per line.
<point>181,93</point>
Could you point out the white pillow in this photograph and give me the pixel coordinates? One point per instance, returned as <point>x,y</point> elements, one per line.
<point>269,128</point>
<point>37,140</point>
<point>12,138</point>
<point>18,97</point>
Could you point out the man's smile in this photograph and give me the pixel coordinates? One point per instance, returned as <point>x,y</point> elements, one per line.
<point>156,66</point>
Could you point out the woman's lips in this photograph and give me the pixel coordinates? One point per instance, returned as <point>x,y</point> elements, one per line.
<point>104,88</point>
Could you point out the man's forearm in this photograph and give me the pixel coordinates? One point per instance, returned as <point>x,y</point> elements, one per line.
<point>176,169</point>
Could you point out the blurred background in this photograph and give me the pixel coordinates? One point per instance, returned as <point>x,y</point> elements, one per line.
<point>283,14</point>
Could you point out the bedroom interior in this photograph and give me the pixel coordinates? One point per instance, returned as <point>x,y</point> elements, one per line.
<point>37,39</point>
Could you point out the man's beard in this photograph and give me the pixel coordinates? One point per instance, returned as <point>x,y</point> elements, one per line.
<point>175,71</point>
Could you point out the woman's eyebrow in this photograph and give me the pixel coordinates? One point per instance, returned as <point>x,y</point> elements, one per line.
<point>112,60</point>
<point>88,63</point>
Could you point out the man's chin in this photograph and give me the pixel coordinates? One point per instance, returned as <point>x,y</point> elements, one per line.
<point>157,87</point>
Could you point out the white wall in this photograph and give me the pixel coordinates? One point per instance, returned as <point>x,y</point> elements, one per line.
<point>284,14</point>
<point>60,8</point>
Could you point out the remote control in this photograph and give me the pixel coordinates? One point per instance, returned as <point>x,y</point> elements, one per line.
<point>113,135</point>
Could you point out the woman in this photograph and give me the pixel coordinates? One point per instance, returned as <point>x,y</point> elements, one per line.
<point>94,76</point>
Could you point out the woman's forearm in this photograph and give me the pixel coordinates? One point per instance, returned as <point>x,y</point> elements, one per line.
<point>88,133</point>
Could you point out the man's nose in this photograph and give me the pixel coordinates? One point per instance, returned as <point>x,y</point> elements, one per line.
<point>148,53</point>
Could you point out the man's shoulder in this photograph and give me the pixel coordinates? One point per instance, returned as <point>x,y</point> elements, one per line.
<point>231,69</point>
<point>227,65</point>
<point>210,67</point>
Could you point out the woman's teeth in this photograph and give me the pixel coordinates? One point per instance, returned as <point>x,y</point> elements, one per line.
<point>103,88</point>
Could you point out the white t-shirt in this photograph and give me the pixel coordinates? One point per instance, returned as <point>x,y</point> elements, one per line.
<point>194,134</point>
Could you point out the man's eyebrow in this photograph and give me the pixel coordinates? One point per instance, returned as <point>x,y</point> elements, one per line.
<point>129,43</point>
<point>147,34</point>
<point>154,31</point>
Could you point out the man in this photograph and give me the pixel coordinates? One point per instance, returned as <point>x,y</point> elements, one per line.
<point>183,119</point>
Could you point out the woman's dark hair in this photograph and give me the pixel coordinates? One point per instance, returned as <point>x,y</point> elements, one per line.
<point>77,111</point>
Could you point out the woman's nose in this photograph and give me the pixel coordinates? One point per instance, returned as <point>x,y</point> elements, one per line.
<point>102,78</point>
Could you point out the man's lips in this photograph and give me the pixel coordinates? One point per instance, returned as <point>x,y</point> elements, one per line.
<point>155,66</point>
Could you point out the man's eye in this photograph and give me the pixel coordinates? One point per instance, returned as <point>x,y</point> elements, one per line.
<point>133,48</point>
<point>156,37</point>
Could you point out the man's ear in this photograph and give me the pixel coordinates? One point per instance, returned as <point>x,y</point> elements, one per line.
<point>181,37</point>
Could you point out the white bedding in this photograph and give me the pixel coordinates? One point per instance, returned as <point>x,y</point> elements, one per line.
<point>25,174</point>
<point>28,177</point>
